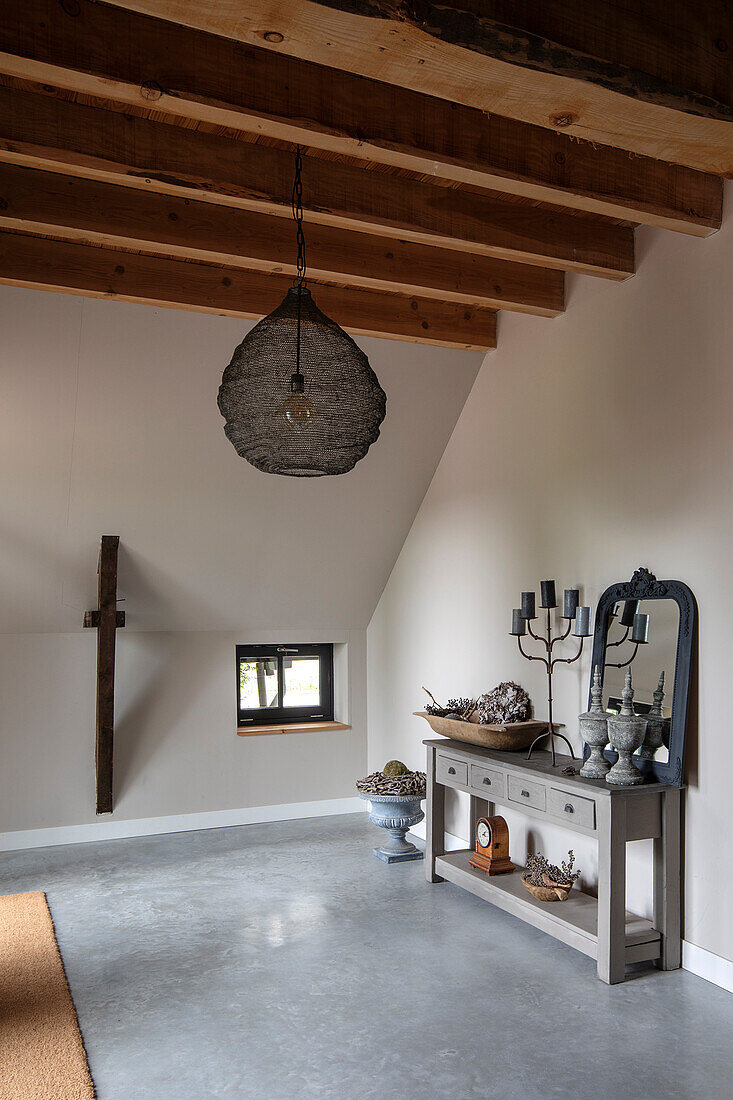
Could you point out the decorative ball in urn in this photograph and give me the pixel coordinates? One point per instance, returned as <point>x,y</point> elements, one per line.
<point>626,732</point>
<point>394,796</point>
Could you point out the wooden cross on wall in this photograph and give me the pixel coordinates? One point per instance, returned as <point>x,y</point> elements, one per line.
<point>106,619</point>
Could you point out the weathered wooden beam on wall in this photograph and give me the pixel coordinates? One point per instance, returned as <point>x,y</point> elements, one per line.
<point>104,273</point>
<point>90,212</point>
<point>43,131</point>
<point>106,618</point>
<point>108,52</point>
<point>656,81</point>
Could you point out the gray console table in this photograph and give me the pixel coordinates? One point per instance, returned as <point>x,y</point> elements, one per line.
<point>602,927</point>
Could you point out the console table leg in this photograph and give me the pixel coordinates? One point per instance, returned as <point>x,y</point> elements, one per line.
<point>435,820</point>
<point>479,808</point>
<point>667,882</point>
<point>611,889</point>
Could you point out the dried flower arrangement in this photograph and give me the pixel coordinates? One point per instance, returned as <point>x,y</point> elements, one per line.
<point>538,870</point>
<point>546,881</point>
<point>508,702</point>
<point>455,708</point>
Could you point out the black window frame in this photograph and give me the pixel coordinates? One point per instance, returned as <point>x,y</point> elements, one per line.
<point>283,716</point>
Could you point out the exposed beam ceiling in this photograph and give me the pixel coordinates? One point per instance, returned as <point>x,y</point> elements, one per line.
<point>115,54</point>
<point>655,81</point>
<point>146,150</point>
<point>106,273</point>
<point>43,131</point>
<point>91,212</point>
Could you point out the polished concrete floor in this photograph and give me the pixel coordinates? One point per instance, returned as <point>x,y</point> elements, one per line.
<point>284,961</point>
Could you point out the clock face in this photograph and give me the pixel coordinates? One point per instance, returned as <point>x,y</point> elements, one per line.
<point>483,834</point>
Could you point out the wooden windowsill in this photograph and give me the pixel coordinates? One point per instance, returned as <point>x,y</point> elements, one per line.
<point>294,727</point>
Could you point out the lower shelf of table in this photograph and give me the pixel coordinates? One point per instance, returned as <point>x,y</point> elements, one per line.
<point>574,921</point>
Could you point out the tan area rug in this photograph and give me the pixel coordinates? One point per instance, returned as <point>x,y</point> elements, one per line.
<point>42,1054</point>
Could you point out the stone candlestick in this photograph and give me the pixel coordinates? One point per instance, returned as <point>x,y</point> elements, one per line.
<point>626,732</point>
<point>656,724</point>
<point>594,729</point>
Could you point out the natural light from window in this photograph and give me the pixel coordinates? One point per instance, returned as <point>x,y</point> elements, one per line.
<point>302,686</point>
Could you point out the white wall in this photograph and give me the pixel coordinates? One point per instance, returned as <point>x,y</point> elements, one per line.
<point>176,749</point>
<point>589,445</point>
<point>109,425</point>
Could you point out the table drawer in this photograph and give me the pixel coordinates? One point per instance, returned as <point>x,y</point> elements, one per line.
<point>572,807</point>
<point>449,770</point>
<point>525,792</point>
<point>488,781</point>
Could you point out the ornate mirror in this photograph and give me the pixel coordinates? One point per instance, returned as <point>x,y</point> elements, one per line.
<point>648,626</point>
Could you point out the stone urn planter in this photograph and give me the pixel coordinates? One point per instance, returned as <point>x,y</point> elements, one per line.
<point>397,813</point>
<point>394,796</point>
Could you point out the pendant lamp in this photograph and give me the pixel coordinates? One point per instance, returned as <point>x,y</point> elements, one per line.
<point>299,397</point>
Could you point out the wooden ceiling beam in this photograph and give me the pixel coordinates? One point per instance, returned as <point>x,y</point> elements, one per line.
<point>94,272</point>
<point>112,53</point>
<point>87,211</point>
<point>48,132</point>
<point>656,81</point>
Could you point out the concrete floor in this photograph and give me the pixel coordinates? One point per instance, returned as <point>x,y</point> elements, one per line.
<point>284,961</point>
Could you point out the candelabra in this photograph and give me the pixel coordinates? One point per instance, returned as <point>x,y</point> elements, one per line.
<point>578,619</point>
<point>633,622</point>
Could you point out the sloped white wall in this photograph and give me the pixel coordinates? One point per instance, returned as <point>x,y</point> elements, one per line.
<point>588,447</point>
<point>109,425</point>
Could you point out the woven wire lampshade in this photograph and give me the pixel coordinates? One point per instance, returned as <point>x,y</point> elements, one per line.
<point>339,404</point>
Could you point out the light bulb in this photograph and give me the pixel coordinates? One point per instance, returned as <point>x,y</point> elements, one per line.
<point>297,409</point>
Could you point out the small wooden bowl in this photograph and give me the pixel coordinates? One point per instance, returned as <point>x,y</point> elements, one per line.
<point>555,892</point>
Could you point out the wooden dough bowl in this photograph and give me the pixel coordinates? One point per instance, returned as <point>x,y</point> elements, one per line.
<point>556,892</point>
<point>510,737</point>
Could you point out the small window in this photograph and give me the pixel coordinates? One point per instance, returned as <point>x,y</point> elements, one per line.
<point>277,684</point>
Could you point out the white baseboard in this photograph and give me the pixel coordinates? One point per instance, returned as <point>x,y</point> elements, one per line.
<point>713,968</point>
<point>452,843</point>
<point>175,823</point>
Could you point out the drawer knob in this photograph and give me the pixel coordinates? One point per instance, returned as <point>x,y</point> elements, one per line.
<point>569,809</point>
<point>451,771</point>
<point>525,794</point>
<point>487,781</point>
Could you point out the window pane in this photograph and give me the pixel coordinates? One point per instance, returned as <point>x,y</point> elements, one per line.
<point>302,677</point>
<point>258,686</point>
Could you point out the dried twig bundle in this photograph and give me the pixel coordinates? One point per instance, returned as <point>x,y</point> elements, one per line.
<point>378,783</point>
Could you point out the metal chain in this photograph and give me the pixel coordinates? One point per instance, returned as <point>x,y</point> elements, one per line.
<point>297,207</point>
<point>300,280</point>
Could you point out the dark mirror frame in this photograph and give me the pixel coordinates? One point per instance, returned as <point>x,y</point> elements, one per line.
<point>645,586</point>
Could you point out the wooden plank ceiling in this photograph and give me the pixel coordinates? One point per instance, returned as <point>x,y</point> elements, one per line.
<point>146,151</point>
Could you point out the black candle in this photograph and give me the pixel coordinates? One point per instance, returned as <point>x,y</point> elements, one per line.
<point>570,603</point>
<point>640,633</point>
<point>519,626</point>
<point>630,609</point>
<point>528,605</point>
<point>582,623</point>
<point>547,589</point>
